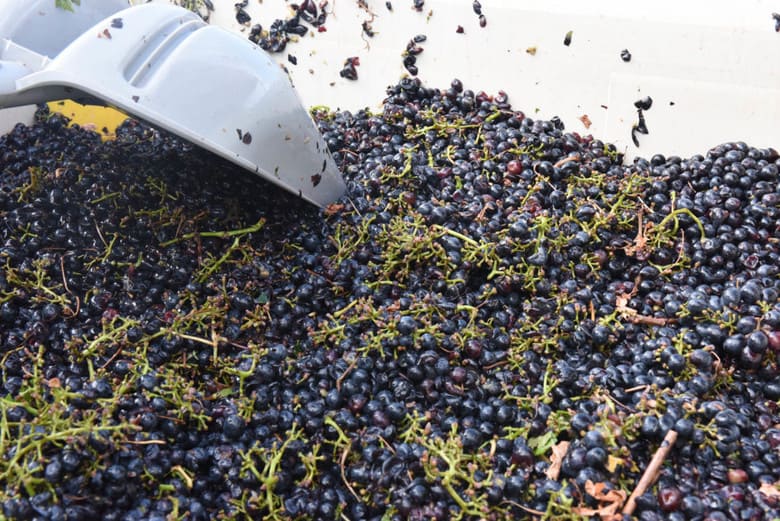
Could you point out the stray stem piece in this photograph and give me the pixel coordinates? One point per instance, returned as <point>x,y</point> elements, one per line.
<point>651,472</point>
<point>219,235</point>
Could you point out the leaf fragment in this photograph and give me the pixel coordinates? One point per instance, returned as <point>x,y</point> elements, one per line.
<point>610,501</point>
<point>770,489</point>
<point>559,451</point>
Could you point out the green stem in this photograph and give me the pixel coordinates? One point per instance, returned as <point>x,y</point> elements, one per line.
<point>105,197</point>
<point>689,213</point>
<point>219,235</point>
<point>464,238</point>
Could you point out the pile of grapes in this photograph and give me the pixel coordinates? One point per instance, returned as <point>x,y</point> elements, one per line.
<point>501,320</point>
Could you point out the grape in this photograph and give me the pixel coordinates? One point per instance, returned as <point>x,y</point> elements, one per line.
<point>494,294</point>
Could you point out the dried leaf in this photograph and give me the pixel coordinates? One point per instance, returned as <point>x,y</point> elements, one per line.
<point>556,460</point>
<point>586,121</point>
<point>333,209</point>
<point>586,512</point>
<point>611,500</point>
<point>611,495</point>
<point>770,490</point>
<point>613,462</point>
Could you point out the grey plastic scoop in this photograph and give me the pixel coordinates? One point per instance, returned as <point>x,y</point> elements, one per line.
<point>163,64</point>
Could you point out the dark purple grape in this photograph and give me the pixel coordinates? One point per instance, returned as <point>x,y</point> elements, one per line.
<point>670,499</point>
<point>644,103</point>
<point>482,291</point>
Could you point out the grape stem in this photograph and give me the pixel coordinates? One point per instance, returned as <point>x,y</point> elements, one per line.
<point>217,234</point>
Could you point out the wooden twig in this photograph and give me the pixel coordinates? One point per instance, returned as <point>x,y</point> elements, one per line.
<point>145,442</point>
<point>495,364</point>
<point>102,239</point>
<point>651,472</point>
<point>525,508</point>
<point>647,320</point>
<point>619,403</point>
<point>565,160</point>
<point>69,312</point>
<point>343,375</point>
<point>113,357</point>
<point>342,462</point>
<point>62,270</point>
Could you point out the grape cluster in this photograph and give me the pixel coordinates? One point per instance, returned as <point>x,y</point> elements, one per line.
<point>500,320</point>
<point>282,31</point>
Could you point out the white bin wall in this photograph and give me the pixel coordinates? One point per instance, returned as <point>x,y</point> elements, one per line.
<point>709,65</point>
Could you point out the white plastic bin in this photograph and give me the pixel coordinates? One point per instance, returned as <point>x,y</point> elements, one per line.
<point>709,66</point>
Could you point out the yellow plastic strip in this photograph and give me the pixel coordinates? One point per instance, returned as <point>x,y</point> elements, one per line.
<point>103,120</point>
